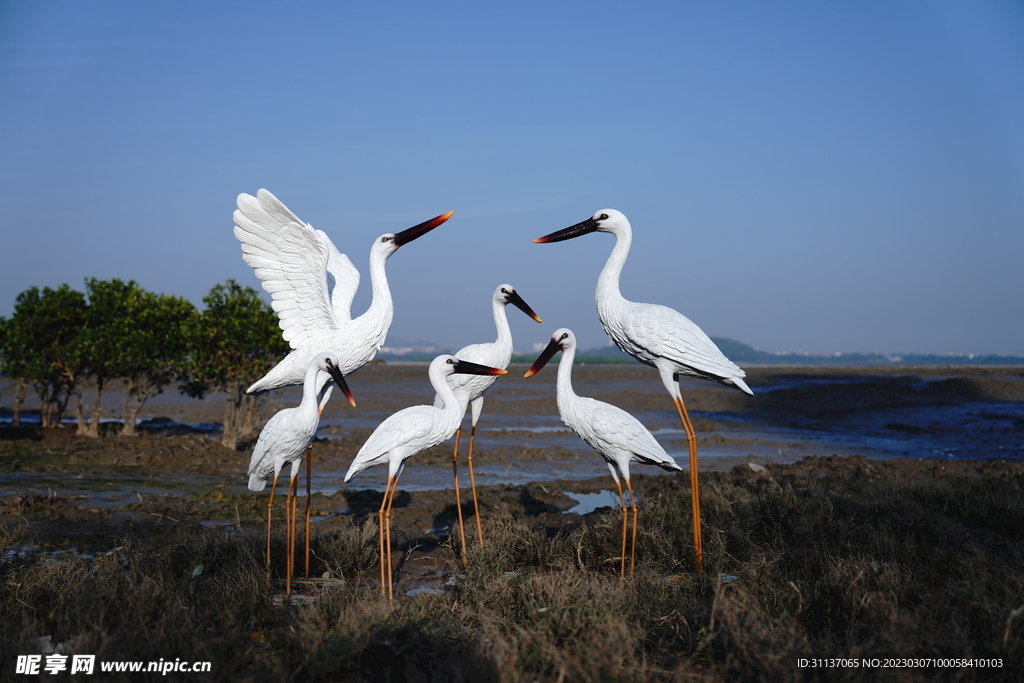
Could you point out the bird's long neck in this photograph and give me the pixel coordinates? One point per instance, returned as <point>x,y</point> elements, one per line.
<point>381,308</point>
<point>444,393</point>
<point>563,391</point>
<point>310,395</point>
<point>504,341</point>
<point>608,281</point>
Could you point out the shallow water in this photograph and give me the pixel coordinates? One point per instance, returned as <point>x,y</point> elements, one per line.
<point>792,415</point>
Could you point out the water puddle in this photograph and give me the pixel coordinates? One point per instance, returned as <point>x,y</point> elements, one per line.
<point>588,502</point>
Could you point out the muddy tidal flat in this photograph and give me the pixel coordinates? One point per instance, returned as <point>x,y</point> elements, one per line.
<point>838,503</point>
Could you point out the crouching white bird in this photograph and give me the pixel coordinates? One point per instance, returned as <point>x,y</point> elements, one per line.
<point>469,389</point>
<point>284,439</point>
<point>408,432</point>
<point>657,336</point>
<point>617,436</point>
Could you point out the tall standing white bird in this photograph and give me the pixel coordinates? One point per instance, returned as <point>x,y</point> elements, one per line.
<point>469,389</point>
<point>617,436</point>
<point>284,439</point>
<point>312,286</point>
<point>408,432</point>
<point>657,336</point>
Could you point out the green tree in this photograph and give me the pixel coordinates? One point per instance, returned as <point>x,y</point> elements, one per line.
<point>42,347</point>
<point>11,364</point>
<point>156,351</point>
<point>134,334</point>
<point>236,341</point>
<point>103,341</point>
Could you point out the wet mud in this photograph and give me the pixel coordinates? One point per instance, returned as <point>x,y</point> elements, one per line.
<point>62,492</point>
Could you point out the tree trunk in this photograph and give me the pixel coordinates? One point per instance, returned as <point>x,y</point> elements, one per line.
<point>97,409</point>
<point>45,413</point>
<point>127,415</point>
<point>81,426</point>
<point>136,393</point>
<point>19,400</point>
<point>229,437</point>
<point>248,426</point>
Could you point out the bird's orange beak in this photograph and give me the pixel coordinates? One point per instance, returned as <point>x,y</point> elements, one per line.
<point>423,228</point>
<point>518,302</point>
<point>464,367</point>
<point>339,379</point>
<point>582,228</point>
<point>549,351</point>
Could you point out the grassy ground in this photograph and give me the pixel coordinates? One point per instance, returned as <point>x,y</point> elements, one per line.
<point>835,557</point>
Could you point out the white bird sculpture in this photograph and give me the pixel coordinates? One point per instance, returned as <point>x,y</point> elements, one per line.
<point>312,285</point>
<point>405,434</point>
<point>617,436</point>
<point>657,336</point>
<point>469,389</point>
<point>284,439</point>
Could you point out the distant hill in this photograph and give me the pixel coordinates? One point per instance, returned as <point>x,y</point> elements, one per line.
<point>744,354</point>
<point>736,351</point>
<point>401,350</point>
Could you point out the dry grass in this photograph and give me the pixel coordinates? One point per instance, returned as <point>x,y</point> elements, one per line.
<point>858,565</point>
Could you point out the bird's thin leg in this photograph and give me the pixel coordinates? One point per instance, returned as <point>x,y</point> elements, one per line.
<point>458,498</point>
<point>309,475</point>
<point>288,534</point>
<point>632,553</point>
<point>380,527</point>
<point>292,519</point>
<point>691,441</point>
<point>270,510</point>
<point>472,484</point>
<point>394,491</point>
<point>622,555</point>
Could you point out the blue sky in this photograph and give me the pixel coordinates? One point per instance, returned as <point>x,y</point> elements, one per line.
<point>800,176</point>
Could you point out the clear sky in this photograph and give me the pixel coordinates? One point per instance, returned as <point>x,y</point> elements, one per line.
<point>800,176</point>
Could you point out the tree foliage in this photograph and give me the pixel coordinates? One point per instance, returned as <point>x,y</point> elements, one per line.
<point>59,338</point>
<point>235,342</point>
<point>42,347</point>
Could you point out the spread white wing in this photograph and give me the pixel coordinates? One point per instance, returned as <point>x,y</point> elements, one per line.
<point>342,279</point>
<point>294,263</point>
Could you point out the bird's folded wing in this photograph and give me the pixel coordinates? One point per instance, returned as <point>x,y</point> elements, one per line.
<point>290,260</point>
<point>408,427</point>
<point>615,429</point>
<point>670,334</point>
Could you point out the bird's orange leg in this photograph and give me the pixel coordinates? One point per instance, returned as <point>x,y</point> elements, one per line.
<point>394,491</point>
<point>622,554</point>
<point>292,504</point>
<point>380,528</point>
<point>458,498</point>
<point>472,484</point>
<point>309,475</point>
<point>270,510</point>
<point>632,554</point>
<point>691,441</point>
<point>288,532</point>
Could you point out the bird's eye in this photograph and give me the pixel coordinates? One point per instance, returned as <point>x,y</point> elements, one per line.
<point>604,216</point>
<point>565,335</point>
<point>504,291</point>
<point>450,361</point>
<point>383,239</point>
